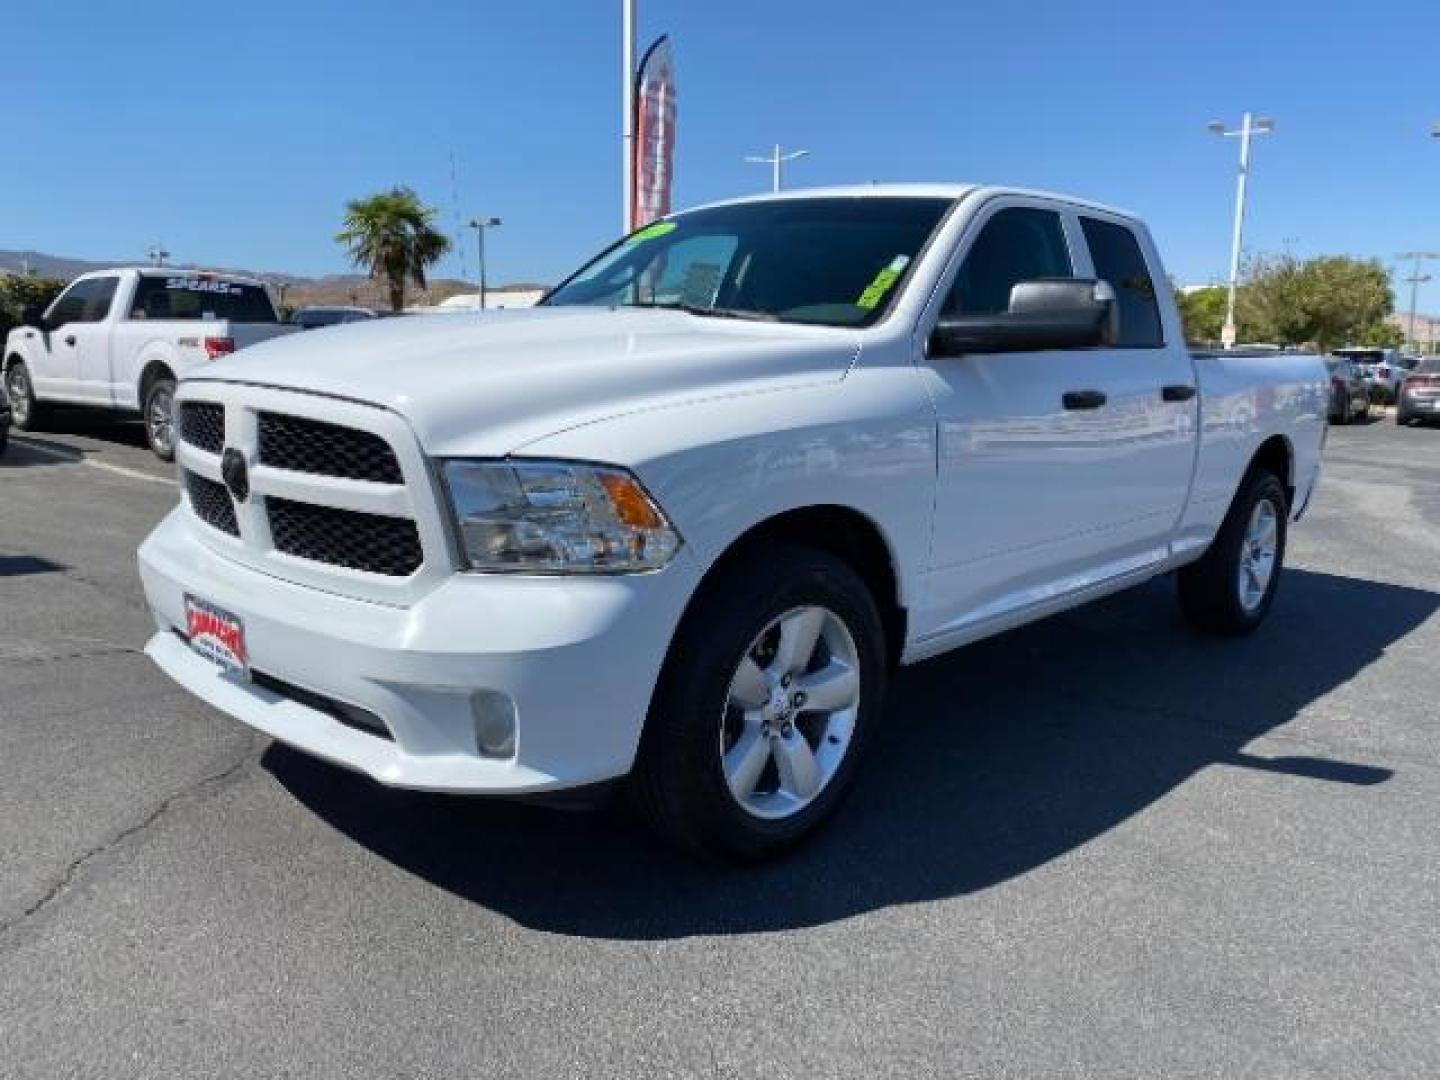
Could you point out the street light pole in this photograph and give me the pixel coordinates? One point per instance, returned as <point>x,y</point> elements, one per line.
<point>480,225</point>
<point>1249,126</point>
<point>627,110</point>
<point>775,159</point>
<point>1414,281</point>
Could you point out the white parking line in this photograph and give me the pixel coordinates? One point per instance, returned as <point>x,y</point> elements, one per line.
<point>79,459</point>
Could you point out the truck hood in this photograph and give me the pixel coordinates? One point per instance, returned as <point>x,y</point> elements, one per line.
<point>487,384</point>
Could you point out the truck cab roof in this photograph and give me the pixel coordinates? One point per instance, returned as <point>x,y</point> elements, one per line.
<point>170,271</point>
<point>917,191</point>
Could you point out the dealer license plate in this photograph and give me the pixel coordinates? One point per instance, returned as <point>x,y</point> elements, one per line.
<point>217,635</point>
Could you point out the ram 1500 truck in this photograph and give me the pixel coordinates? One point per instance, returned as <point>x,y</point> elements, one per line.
<point>119,339</point>
<point>679,523</point>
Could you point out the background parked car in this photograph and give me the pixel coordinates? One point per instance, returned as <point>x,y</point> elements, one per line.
<point>312,318</point>
<point>1419,397</point>
<point>1381,367</point>
<point>1349,391</point>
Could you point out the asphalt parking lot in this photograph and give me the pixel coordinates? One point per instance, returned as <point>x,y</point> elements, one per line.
<point>1099,846</point>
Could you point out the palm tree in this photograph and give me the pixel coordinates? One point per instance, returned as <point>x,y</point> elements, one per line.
<point>390,235</point>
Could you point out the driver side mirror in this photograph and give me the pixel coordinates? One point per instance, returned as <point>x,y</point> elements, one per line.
<point>34,315</point>
<point>1046,313</point>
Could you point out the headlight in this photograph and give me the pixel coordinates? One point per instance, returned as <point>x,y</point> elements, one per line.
<point>555,517</point>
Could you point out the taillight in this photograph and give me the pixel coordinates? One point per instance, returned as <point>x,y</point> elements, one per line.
<point>219,346</point>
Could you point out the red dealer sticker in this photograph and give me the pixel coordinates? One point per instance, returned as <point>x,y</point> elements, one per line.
<point>216,635</point>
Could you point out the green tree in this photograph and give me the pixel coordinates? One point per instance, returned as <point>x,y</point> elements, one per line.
<point>18,292</point>
<point>1380,335</point>
<point>390,234</point>
<point>1326,301</point>
<point>1203,313</point>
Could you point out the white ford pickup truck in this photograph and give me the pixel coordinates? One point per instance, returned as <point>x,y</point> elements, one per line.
<point>118,339</point>
<point>678,523</point>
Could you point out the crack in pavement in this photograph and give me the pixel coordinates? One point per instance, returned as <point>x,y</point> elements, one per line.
<point>62,882</point>
<point>39,659</point>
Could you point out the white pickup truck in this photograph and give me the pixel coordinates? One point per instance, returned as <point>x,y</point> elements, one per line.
<point>119,339</point>
<point>679,522</point>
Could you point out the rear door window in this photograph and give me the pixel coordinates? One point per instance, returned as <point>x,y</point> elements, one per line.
<point>200,297</point>
<point>1118,259</point>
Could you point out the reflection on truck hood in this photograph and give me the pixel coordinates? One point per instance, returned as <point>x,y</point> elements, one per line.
<point>487,384</point>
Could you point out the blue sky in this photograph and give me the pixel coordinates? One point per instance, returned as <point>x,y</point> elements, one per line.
<point>235,132</point>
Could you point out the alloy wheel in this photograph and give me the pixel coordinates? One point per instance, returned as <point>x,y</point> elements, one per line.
<point>1257,554</point>
<point>17,389</point>
<point>790,713</point>
<point>159,420</point>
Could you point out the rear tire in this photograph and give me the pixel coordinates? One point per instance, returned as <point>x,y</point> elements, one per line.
<point>720,771</point>
<point>1230,589</point>
<point>158,412</point>
<point>25,412</point>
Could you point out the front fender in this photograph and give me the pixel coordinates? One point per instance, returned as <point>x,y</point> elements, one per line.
<point>22,344</point>
<point>722,466</point>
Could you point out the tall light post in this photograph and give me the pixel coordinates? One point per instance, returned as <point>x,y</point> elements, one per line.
<point>1414,281</point>
<point>627,114</point>
<point>1249,126</point>
<point>775,159</point>
<point>480,225</point>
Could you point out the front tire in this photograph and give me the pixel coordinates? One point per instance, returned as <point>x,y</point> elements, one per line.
<point>25,412</point>
<point>158,410</point>
<point>1230,589</point>
<point>771,691</point>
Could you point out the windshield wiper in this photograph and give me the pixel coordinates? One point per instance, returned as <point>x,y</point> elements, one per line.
<point>710,312</point>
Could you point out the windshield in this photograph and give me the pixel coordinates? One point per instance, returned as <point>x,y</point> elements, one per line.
<point>825,261</point>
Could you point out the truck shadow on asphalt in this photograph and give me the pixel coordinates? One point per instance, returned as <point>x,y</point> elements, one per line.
<point>993,761</point>
<point>90,424</point>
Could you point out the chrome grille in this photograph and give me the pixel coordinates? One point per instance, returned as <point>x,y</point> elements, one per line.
<point>313,446</point>
<point>202,424</point>
<point>211,503</point>
<point>371,542</point>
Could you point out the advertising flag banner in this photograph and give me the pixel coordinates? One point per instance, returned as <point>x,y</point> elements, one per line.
<point>654,134</point>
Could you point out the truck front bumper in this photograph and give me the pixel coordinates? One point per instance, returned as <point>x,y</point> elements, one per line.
<point>576,658</point>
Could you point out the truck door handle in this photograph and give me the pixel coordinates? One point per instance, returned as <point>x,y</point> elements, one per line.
<point>1083,399</point>
<point>1177,392</point>
<point>70,339</point>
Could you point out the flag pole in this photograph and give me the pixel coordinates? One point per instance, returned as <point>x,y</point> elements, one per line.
<point>627,108</point>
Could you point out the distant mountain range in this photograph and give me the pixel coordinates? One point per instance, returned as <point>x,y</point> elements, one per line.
<point>299,291</point>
